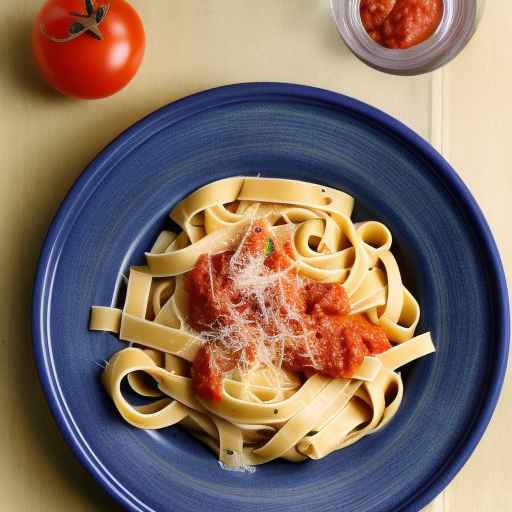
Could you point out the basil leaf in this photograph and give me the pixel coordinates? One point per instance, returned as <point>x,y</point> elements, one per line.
<point>269,247</point>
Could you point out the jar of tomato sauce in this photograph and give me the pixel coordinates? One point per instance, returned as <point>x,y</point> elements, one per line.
<point>406,37</point>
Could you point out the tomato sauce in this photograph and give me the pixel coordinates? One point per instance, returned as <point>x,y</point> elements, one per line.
<point>250,304</point>
<point>401,23</point>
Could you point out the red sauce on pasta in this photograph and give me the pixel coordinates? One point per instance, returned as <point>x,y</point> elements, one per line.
<point>401,23</point>
<point>249,305</point>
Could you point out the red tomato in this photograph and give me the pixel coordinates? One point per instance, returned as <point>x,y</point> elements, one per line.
<point>88,49</point>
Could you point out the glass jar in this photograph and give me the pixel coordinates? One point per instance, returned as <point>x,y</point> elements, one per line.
<point>459,22</point>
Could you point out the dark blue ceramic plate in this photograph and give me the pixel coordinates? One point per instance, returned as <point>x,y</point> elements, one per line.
<point>442,241</point>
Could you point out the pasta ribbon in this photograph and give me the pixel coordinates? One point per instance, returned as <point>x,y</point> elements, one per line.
<point>266,412</point>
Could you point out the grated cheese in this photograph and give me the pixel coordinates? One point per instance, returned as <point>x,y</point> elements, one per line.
<point>269,328</point>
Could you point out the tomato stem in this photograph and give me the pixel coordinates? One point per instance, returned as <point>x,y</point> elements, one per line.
<point>83,23</point>
<point>89,6</point>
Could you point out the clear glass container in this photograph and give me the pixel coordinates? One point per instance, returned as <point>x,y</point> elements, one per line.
<point>459,22</point>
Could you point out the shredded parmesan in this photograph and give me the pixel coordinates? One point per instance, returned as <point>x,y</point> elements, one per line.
<point>241,468</point>
<point>259,327</point>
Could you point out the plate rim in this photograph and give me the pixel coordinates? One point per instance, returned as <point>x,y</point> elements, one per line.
<point>240,93</point>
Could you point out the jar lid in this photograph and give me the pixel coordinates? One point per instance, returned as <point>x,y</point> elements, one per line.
<point>460,18</point>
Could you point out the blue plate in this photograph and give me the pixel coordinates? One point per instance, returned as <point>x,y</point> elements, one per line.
<point>442,242</point>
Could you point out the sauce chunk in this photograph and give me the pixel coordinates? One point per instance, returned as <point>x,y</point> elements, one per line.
<point>401,24</point>
<point>250,305</point>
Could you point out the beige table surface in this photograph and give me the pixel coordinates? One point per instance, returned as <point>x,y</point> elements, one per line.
<point>465,110</point>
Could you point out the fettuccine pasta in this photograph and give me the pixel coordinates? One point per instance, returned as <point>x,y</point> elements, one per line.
<point>271,326</point>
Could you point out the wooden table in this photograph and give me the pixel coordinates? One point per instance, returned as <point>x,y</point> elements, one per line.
<point>465,110</point>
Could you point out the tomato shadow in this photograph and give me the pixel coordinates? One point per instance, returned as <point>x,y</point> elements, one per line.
<point>21,69</point>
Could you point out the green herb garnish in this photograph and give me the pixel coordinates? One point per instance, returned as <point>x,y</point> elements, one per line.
<point>269,247</point>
